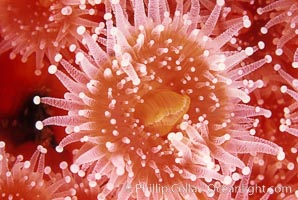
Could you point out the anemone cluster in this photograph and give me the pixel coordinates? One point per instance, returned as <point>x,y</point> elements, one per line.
<point>185,99</point>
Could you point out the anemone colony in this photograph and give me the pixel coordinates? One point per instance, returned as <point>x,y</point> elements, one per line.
<point>164,99</point>
<point>42,27</point>
<point>20,179</point>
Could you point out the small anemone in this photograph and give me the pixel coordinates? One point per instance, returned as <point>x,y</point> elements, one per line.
<point>42,27</point>
<point>28,179</point>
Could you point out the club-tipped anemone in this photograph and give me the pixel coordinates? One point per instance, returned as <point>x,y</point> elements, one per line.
<point>289,123</point>
<point>42,28</point>
<point>28,179</point>
<point>277,177</point>
<point>284,20</point>
<point>161,103</point>
<point>81,185</point>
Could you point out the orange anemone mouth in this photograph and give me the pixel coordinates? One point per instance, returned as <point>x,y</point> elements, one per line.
<point>161,110</point>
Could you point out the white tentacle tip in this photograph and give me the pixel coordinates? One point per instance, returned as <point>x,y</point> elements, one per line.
<point>281,155</point>
<point>220,2</point>
<point>283,89</point>
<point>36,100</point>
<point>59,149</point>
<point>268,59</point>
<point>52,69</point>
<point>2,144</point>
<point>245,170</point>
<point>295,65</point>
<point>249,51</point>
<point>227,180</point>
<point>267,113</point>
<point>39,125</point>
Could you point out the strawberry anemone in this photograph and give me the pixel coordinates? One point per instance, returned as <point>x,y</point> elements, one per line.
<point>42,27</point>
<point>161,103</point>
<point>79,184</point>
<point>29,179</point>
<point>283,20</point>
<point>289,123</point>
<point>278,176</point>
